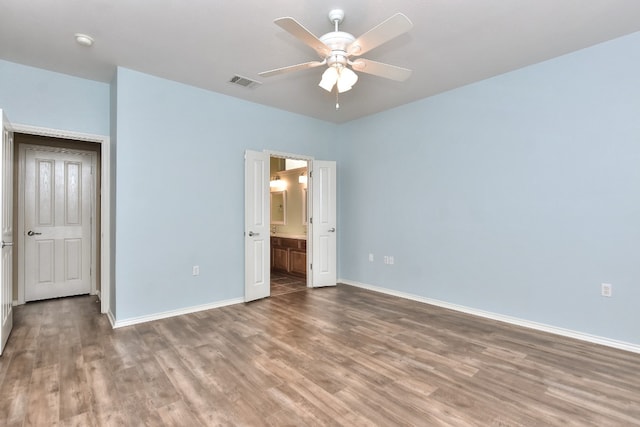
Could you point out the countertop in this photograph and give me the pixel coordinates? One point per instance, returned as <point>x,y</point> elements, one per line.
<point>290,236</point>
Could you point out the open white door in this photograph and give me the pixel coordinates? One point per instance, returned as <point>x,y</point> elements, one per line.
<point>6,212</point>
<point>323,264</point>
<point>257,257</point>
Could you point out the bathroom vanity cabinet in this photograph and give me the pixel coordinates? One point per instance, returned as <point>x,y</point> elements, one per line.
<point>289,255</point>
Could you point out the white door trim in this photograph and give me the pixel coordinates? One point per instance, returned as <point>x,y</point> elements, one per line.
<point>20,232</point>
<point>105,201</point>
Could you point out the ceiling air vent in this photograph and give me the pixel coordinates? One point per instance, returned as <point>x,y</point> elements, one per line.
<point>244,82</point>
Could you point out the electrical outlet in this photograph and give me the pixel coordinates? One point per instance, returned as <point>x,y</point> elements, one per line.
<point>391,260</point>
<point>606,289</point>
<point>370,257</point>
<point>386,259</point>
<point>196,270</point>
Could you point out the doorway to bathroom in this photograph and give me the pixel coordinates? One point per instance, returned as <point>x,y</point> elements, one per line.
<point>317,253</point>
<point>288,224</point>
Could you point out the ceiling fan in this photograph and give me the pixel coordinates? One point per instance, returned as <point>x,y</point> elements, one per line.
<point>337,48</point>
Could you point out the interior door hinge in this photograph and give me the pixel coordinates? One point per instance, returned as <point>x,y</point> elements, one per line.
<point>310,174</point>
<point>311,220</point>
<point>310,266</point>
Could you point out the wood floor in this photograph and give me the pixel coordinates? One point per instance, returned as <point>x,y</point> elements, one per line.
<point>330,356</point>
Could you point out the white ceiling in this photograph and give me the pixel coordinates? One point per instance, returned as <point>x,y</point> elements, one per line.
<point>206,42</point>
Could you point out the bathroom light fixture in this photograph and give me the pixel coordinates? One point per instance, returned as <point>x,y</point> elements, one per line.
<point>276,182</point>
<point>302,179</point>
<point>84,39</point>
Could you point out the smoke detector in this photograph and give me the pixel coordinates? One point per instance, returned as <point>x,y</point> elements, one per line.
<point>83,39</point>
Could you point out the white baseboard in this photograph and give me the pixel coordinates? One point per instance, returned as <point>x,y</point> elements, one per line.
<point>112,319</point>
<point>171,313</point>
<point>15,302</point>
<point>622,345</point>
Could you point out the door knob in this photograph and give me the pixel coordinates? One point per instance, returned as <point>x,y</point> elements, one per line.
<point>251,234</point>
<point>32,233</point>
<point>332,230</point>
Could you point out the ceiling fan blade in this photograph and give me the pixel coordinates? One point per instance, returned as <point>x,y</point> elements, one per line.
<point>290,68</point>
<point>296,29</point>
<point>381,69</point>
<point>391,28</point>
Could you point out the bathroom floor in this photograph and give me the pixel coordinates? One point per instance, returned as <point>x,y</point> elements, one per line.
<point>284,284</point>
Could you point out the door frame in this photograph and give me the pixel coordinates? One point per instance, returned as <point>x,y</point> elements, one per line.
<point>20,232</point>
<point>309,160</point>
<point>105,203</point>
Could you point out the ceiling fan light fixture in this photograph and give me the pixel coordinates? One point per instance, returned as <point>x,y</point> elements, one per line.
<point>346,80</point>
<point>329,79</point>
<point>337,49</point>
<point>343,88</point>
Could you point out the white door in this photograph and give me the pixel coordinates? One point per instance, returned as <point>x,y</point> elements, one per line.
<point>57,222</point>
<point>257,279</point>
<point>323,253</point>
<point>6,211</point>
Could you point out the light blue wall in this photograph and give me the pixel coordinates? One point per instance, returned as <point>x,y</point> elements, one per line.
<point>36,97</point>
<point>180,185</point>
<point>518,195</point>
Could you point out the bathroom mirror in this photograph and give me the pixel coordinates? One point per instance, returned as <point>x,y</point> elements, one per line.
<point>279,207</point>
